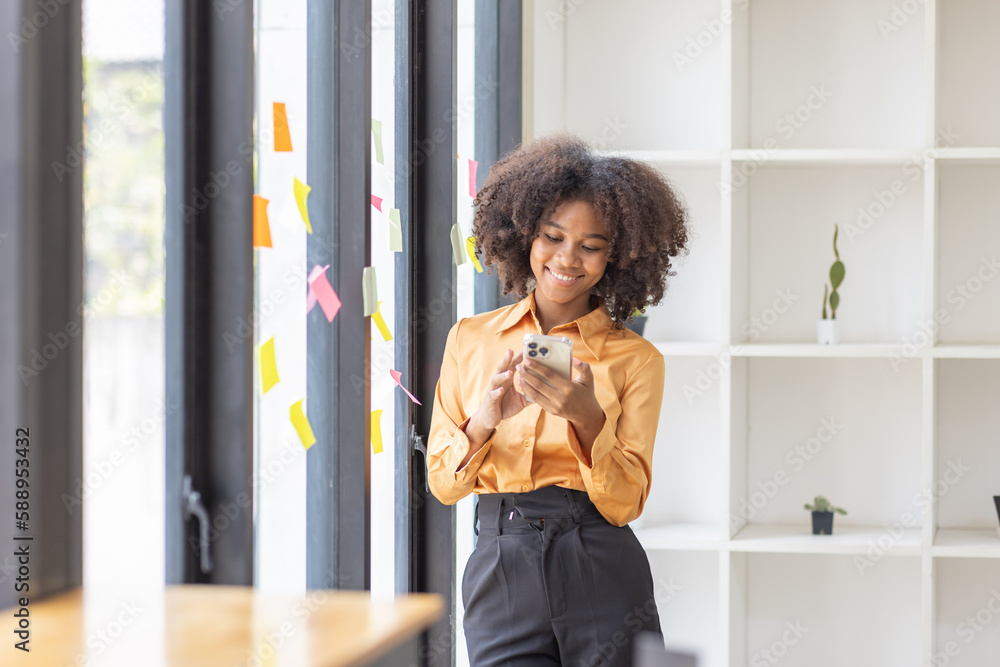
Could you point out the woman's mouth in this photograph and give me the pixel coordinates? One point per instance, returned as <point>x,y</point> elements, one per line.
<point>561,279</point>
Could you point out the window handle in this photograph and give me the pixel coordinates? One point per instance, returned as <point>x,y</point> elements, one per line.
<point>194,506</point>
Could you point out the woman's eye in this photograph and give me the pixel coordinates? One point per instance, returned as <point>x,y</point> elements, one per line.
<point>551,238</point>
<point>588,249</point>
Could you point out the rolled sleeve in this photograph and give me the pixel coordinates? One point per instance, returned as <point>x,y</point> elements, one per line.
<point>619,474</point>
<point>447,442</point>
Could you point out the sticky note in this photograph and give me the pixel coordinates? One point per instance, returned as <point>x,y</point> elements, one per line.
<point>325,296</point>
<point>261,227</point>
<point>377,202</point>
<point>470,248</point>
<point>301,191</point>
<point>395,231</point>
<point>369,291</point>
<point>268,366</point>
<point>473,167</point>
<point>377,131</point>
<point>377,431</point>
<point>311,295</point>
<point>282,138</point>
<point>457,248</point>
<point>301,424</point>
<point>380,323</point>
<point>395,378</point>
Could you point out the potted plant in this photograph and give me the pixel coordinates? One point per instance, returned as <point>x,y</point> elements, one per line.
<point>822,515</point>
<point>996,501</point>
<point>637,321</point>
<point>827,329</point>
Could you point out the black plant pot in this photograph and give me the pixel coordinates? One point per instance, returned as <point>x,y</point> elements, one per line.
<point>638,323</point>
<point>822,523</point>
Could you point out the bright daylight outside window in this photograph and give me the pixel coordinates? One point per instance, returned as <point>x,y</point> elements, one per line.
<point>122,489</point>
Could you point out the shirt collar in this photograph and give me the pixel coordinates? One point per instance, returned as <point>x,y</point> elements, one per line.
<point>593,327</point>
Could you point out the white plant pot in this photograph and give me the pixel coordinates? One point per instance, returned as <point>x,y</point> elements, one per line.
<point>827,332</point>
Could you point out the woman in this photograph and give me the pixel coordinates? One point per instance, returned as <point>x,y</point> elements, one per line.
<point>560,465</point>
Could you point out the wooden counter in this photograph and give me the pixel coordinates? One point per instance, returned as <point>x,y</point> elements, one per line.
<point>218,626</point>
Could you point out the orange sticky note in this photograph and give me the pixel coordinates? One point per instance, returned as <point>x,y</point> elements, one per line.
<point>282,138</point>
<point>301,424</point>
<point>377,202</point>
<point>261,227</point>
<point>473,167</point>
<point>268,366</point>
<point>377,431</point>
<point>395,378</point>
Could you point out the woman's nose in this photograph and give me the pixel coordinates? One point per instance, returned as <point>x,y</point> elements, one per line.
<point>567,258</point>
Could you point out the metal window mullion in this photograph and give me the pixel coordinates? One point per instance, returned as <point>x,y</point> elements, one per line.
<point>433,212</point>
<point>498,95</point>
<point>208,122</point>
<point>338,505</point>
<point>41,273</point>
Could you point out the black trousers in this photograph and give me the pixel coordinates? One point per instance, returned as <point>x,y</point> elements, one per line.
<point>552,582</point>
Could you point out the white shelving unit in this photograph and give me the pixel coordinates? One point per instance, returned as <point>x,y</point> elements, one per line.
<point>777,119</point>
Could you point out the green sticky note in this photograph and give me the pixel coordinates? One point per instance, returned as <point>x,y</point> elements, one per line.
<point>395,231</point>
<point>457,245</point>
<point>369,293</point>
<point>377,131</point>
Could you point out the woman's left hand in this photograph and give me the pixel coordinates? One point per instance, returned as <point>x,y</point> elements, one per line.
<point>573,400</point>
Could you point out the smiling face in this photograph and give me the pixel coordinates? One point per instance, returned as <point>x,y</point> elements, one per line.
<point>569,255</point>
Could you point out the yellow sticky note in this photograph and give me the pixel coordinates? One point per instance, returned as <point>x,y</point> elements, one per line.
<point>301,424</point>
<point>380,323</point>
<point>456,245</point>
<point>301,192</point>
<point>377,431</point>
<point>268,366</point>
<point>369,292</point>
<point>470,247</point>
<point>377,131</point>
<point>395,231</point>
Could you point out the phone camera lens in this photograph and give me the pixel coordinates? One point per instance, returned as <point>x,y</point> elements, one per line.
<point>544,351</point>
<point>532,346</point>
<point>532,353</point>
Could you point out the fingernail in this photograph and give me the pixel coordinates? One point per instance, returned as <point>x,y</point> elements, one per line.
<point>527,362</point>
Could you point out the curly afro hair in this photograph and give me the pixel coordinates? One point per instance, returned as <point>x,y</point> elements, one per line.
<point>646,218</point>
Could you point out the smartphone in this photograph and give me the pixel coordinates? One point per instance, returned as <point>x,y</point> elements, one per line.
<point>555,352</point>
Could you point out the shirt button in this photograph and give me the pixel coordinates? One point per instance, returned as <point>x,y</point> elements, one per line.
<point>524,487</point>
<point>527,442</point>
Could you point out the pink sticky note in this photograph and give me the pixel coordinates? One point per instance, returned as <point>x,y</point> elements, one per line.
<point>325,295</point>
<point>395,378</point>
<point>311,295</point>
<point>377,202</point>
<point>473,166</point>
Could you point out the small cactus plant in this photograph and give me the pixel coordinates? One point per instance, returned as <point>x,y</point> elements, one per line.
<point>836,278</point>
<point>821,504</point>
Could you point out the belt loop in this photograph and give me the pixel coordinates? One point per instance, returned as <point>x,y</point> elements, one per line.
<point>572,504</point>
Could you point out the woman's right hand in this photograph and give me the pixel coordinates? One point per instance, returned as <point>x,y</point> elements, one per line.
<point>502,401</point>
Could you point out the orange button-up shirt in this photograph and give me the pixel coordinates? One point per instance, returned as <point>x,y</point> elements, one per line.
<point>534,449</point>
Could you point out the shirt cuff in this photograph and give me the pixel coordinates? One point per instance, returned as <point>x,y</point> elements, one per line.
<point>460,447</point>
<point>605,441</point>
